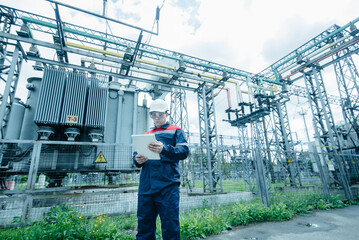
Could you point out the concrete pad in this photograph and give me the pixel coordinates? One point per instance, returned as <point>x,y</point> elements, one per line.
<point>323,225</point>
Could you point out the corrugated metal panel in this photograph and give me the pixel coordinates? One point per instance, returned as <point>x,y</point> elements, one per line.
<point>50,98</point>
<point>74,100</point>
<point>96,105</point>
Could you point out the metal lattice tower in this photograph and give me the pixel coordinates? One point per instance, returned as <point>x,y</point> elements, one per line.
<point>10,65</point>
<point>279,172</point>
<point>263,103</point>
<point>284,142</point>
<point>261,145</point>
<point>260,158</point>
<point>212,179</point>
<point>347,76</point>
<point>179,117</point>
<point>178,110</point>
<point>324,125</point>
<point>267,125</point>
<point>245,158</point>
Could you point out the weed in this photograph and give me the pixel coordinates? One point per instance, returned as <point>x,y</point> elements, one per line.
<point>63,222</point>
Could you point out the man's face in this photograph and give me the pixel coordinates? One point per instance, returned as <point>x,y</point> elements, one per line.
<point>159,118</point>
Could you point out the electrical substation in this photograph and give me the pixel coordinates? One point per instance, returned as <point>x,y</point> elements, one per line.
<point>70,141</point>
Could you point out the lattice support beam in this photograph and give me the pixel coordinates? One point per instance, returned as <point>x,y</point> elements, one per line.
<point>245,161</point>
<point>347,79</point>
<point>10,71</point>
<point>260,158</point>
<point>179,117</point>
<point>324,125</point>
<point>285,146</point>
<point>212,177</point>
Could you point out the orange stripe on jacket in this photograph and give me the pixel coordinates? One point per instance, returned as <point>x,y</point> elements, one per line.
<point>170,127</point>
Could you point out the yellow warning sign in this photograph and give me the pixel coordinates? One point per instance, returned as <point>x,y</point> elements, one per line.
<point>290,160</point>
<point>100,158</point>
<point>329,162</point>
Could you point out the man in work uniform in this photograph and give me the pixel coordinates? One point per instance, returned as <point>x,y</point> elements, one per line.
<point>158,193</point>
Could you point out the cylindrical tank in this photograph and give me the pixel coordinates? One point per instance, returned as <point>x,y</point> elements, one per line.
<point>128,116</point>
<point>114,101</point>
<point>123,118</point>
<point>29,128</point>
<point>13,129</point>
<point>144,122</point>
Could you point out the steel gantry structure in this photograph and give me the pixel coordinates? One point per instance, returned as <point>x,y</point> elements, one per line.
<point>347,78</point>
<point>132,62</point>
<point>333,47</point>
<point>129,61</point>
<point>324,125</point>
<point>179,117</point>
<point>286,156</point>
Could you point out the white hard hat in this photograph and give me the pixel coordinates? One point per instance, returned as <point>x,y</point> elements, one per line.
<point>158,105</point>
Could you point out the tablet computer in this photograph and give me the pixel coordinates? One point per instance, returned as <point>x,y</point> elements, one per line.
<point>140,143</point>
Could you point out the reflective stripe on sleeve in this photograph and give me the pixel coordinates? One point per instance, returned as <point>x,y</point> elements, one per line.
<point>164,131</point>
<point>181,144</point>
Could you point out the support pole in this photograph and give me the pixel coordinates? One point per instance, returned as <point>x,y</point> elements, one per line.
<point>6,93</point>
<point>212,176</point>
<point>324,124</point>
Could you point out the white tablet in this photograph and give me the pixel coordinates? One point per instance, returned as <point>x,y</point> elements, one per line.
<point>140,143</point>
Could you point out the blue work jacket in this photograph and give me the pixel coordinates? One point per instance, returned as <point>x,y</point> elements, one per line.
<point>158,174</point>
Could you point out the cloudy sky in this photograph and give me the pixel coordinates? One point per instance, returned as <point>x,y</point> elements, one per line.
<point>245,34</point>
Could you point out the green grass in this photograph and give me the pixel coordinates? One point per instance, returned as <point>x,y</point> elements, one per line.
<point>239,186</point>
<point>231,186</point>
<point>228,185</point>
<point>63,222</point>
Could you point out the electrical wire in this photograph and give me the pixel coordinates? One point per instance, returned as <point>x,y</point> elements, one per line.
<point>153,25</point>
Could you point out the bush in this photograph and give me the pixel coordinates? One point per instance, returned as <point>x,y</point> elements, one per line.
<point>63,222</point>
<point>201,223</point>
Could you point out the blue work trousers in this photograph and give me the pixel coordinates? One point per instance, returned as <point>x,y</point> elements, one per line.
<point>164,203</point>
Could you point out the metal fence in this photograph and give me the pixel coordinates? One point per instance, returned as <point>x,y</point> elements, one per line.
<point>99,178</point>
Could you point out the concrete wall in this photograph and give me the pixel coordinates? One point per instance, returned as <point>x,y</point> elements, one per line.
<point>91,202</point>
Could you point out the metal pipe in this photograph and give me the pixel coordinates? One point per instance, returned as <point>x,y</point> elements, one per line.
<point>67,29</point>
<point>119,115</point>
<point>320,41</point>
<point>80,68</point>
<point>315,53</point>
<point>321,58</point>
<point>135,106</point>
<point>169,74</point>
<point>138,60</point>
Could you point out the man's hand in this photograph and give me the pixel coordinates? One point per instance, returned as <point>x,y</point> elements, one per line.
<point>155,147</point>
<point>140,159</point>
